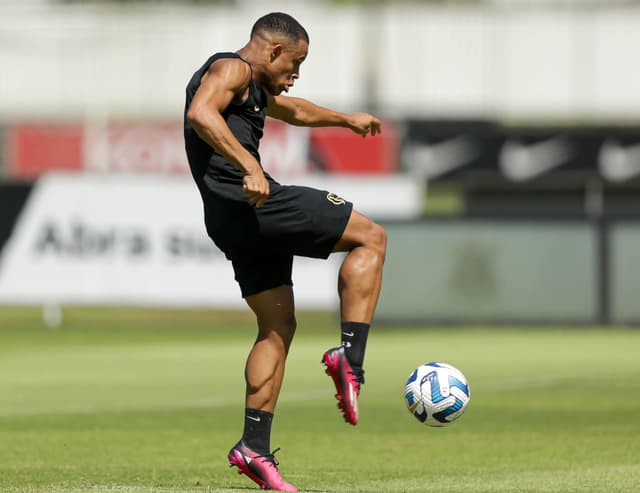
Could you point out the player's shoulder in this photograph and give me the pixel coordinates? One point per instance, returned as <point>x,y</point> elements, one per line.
<point>228,62</point>
<point>228,70</point>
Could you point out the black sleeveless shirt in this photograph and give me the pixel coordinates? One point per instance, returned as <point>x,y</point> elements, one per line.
<point>246,121</point>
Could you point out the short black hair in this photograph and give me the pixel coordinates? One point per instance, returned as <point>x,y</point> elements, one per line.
<point>282,23</point>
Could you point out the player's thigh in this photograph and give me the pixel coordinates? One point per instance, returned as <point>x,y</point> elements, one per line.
<point>275,312</point>
<point>304,221</point>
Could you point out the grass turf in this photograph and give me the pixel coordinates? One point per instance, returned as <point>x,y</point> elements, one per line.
<point>151,401</point>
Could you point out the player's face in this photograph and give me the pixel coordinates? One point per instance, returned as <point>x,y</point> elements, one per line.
<point>285,66</point>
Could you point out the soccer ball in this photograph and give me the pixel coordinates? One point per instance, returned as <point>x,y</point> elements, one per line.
<point>436,394</point>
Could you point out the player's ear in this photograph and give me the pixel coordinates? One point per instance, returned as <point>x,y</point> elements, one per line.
<point>276,51</point>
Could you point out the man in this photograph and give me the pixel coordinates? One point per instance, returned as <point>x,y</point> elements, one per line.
<point>260,224</point>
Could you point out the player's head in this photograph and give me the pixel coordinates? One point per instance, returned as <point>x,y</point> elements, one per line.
<point>284,24</point>
<point>286,44</point>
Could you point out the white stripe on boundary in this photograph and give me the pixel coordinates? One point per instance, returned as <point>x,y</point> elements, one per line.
<point>194,404</point>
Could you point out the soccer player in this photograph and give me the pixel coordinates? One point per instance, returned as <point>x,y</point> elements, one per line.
<point>260,224</point>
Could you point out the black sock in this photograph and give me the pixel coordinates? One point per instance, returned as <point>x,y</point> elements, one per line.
<point>257,430</point>
<point>354,340</point>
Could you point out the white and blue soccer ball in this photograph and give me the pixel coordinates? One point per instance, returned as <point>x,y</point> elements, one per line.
<point>436,394</point>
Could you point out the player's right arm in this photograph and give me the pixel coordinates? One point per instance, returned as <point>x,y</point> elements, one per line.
<point>227,80</point>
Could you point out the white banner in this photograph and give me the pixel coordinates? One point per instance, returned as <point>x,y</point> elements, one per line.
<point>129,240</point>
<point>140,240</point>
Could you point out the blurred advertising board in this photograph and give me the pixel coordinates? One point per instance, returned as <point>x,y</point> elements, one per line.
<point>448,150</point>
<point>34,149</point>
<point>544,169</point>
<point>522,271</point>
<point>484,270</point>
<point>131,241</point>
<point>139,147</point>
<point>625,271</point>
<point>140,240</point>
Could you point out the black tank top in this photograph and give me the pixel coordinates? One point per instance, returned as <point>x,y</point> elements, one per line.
<point>246,121</point>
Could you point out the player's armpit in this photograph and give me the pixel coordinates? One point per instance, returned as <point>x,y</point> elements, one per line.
<point>282,108</point>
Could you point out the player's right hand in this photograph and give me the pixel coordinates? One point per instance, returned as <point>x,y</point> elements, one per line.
<point>365,124</point>
<point>256,187</point>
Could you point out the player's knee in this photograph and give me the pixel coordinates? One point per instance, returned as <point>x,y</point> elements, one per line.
<point>288,330</point>
<point>278,329</point>
<point>378,240</point>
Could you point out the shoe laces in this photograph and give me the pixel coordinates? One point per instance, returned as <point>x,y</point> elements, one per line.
<point>359,374</point>
<point>270,458</point>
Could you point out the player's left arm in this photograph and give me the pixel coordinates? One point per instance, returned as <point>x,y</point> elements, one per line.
<point>298,111</point>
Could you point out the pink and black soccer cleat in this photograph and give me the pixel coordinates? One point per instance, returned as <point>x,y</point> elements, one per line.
<point>263,469</point>
<point>346,380</point>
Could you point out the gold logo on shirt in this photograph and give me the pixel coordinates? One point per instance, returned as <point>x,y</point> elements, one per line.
<point>334,199</point>
<point>256,108</point>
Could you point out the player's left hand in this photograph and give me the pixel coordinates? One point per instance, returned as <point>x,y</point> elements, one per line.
<point>365,124</point>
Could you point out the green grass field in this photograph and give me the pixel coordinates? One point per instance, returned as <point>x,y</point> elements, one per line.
<point>151,401</point>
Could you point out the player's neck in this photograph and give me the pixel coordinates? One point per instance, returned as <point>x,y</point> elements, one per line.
<point>250,54</point>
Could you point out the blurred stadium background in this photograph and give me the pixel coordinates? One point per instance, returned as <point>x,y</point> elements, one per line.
<point>508,173</point>
<point>507,176</point>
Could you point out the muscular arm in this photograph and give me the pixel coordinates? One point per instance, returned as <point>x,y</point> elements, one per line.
<point>225,81</point>
<point>298,111</point>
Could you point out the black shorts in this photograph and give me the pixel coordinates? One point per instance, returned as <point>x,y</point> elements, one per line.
<point>261,242</point>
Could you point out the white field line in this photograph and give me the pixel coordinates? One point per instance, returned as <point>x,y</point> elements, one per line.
<point>540,382</point>
<point>204,403</point>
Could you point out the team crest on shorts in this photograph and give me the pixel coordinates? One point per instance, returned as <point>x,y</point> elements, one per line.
<point>334,199</point>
